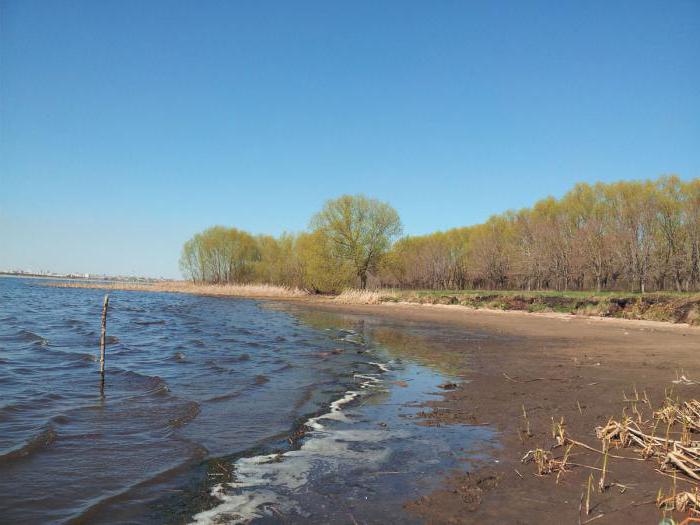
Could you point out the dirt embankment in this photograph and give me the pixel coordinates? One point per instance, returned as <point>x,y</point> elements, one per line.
<point>535,371</point>
<point>651,307</point>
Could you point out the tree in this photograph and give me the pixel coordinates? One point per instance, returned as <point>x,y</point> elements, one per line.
<point>321,271</point>
<point>191,264</point>
<point>691,214</point>
<point>219,255</point>
<point>359,230</point>
<point>633,234</point>
<point>586,206</point>
<point>670,259</point>
<point>492,247</point>
<point>633,206</point>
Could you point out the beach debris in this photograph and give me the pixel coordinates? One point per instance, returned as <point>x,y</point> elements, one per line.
<point>542,459</point>
<point>682,379</point>
<point>668,436</point>
<point>681,502</point>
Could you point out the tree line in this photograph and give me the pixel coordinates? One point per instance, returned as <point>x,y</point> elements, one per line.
<point>346,245</point>
<point>629,235</point>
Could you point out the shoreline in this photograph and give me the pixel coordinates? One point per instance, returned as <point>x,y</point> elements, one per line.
<point>534,369</point>
<point>280,293</point>
<point>548,367</point>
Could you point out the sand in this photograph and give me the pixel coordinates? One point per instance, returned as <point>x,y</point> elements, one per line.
<point>555,366</point>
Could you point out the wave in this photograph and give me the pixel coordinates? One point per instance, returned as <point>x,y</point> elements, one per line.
<point>150,384</point>
<point>28,336</point>
<point>138,492</point>
<point>225,397</point>
<point>191,411</point>
<point>36,443</point>
<point>261,379</point>
<point>269,481</point>
<point>285,366</point>
<point>12,409</point>
<point>258,380</point>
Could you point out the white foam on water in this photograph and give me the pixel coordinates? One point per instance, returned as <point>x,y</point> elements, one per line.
<point>370,380</point>
<point>240,508</point>
<point>353,339</point>
<point>265,485</point>
<point>381,366</point>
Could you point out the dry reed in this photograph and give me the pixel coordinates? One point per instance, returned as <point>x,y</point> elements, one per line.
<point>224,290</point>
<point>675,457</point>
<point>354,296</point>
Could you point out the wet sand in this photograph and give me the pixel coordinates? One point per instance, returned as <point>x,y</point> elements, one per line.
<point>554,366</point>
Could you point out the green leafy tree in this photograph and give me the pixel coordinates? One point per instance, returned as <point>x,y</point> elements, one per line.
<point>359,230</point>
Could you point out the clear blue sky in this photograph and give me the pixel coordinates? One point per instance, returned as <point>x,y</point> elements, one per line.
<point>127,126</point>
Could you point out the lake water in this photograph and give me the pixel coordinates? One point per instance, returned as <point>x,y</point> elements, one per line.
<point>214,410</point>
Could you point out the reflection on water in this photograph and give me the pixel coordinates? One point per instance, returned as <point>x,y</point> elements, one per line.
<point>214,408</point>
<point>361,460</point>
<point>440,348</point>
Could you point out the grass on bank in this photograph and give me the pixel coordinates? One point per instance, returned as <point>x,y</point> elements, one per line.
<point>671,307</point>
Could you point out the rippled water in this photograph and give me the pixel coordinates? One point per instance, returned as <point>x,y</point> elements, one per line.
<point>214,410</point>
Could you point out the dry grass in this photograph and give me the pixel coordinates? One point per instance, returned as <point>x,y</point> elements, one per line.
<point>354,296</point>
<point>224,290</point>
<point>666,436</point>
<point>693,316</point>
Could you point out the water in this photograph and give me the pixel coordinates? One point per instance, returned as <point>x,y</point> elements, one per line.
<point>214,410</point>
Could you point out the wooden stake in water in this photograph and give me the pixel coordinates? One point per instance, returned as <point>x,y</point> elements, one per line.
<point>103,335</point>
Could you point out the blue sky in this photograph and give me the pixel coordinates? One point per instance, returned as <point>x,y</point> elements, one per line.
<point>125,127</point>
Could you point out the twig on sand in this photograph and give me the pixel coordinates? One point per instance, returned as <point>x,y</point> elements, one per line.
<point>520,381</point>
<point>580,507</point>
<point>592,449</point>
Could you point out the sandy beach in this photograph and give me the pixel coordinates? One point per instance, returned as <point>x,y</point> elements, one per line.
<point>550,366</point>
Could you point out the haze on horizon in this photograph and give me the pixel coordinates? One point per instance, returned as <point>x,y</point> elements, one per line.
<point>126,127</point>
